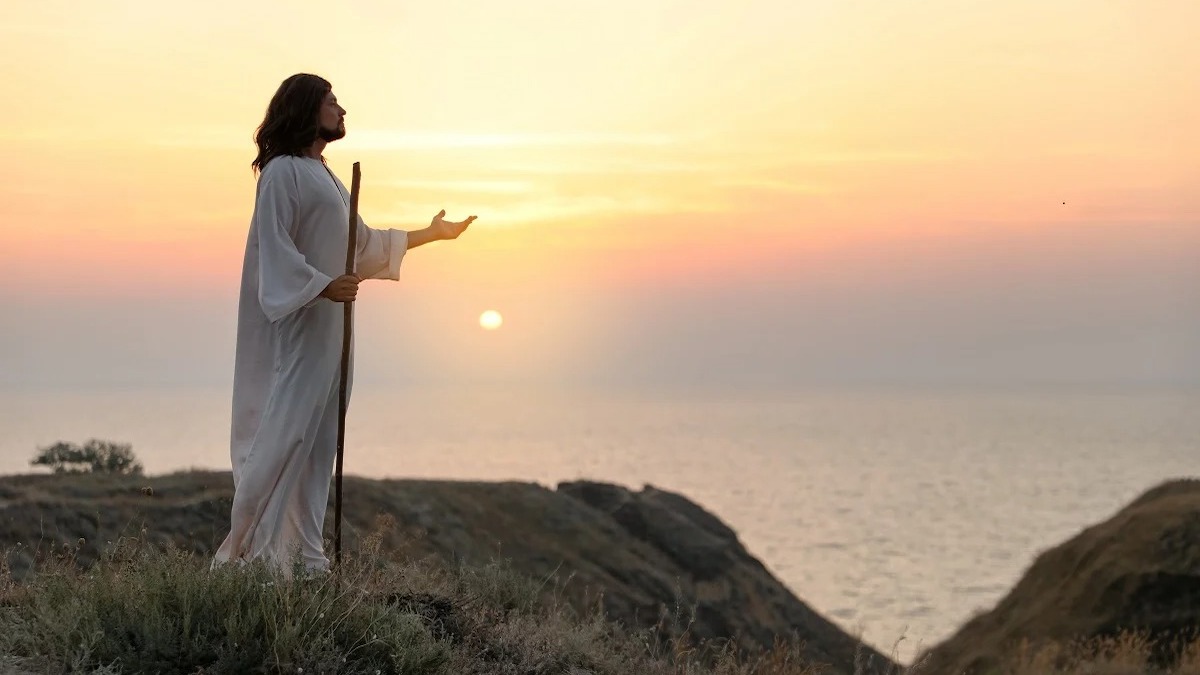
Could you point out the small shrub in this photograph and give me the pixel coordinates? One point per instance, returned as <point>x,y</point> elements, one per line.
<point>94,456</point>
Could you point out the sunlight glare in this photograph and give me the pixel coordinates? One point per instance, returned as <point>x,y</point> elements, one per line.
<point>490,320</point>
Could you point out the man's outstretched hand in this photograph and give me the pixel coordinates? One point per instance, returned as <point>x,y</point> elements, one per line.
<point>445,229</point>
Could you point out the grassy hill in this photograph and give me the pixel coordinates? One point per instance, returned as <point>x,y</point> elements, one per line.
<point>579,561</point>
<point>110,574</point>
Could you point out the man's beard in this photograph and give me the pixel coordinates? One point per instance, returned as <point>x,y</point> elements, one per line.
<point>330,135</point>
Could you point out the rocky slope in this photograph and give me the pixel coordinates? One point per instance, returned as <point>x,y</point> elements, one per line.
<point>648,558</point>
<point>1137,571</point>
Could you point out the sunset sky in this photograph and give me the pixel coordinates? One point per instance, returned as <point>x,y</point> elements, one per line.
<point>779,193</point>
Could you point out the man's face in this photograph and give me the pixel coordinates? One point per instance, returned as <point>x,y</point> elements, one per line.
<point>331,118</point>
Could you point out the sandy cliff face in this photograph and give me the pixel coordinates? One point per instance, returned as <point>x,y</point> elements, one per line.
<point>648,558</point>
<point>1137,571</point>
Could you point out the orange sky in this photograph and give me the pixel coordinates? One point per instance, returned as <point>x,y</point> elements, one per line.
<point>604,144</point>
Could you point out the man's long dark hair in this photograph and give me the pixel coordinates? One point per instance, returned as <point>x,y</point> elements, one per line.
<point>291,124</point>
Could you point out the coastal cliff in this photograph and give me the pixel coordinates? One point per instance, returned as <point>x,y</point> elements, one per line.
<point>1130,584</point>
<point>650,559</point>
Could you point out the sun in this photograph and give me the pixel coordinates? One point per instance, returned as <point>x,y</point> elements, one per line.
<point>491,320</point>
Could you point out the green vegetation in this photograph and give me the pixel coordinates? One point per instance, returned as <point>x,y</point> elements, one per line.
<point>94,456</point>
<point>150,603</point>
<point>141,609</point>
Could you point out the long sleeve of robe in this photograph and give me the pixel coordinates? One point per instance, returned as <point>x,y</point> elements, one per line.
<point>283,437</point>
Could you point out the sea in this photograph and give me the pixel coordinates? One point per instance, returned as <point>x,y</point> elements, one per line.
<point>898,513</point>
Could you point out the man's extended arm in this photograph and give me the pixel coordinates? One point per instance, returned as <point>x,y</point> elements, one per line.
<point>421,236</point>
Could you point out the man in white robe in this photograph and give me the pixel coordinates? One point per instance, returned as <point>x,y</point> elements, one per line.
<point>289,336</point>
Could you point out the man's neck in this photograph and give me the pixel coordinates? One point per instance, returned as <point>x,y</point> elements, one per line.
<point>315,149</point>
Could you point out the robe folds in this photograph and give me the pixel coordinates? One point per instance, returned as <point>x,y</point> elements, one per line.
<point>287,363</point>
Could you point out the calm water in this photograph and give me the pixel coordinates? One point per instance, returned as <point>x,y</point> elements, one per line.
<point>892,513</point>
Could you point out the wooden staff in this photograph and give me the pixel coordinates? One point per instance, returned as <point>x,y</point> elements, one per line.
<point>351,247</point>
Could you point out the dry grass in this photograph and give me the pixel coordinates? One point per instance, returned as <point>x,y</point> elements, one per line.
<point>143,609</point>
<point>1125,654</point>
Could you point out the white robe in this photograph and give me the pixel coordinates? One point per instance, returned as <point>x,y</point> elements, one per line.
<point>283,440</point>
